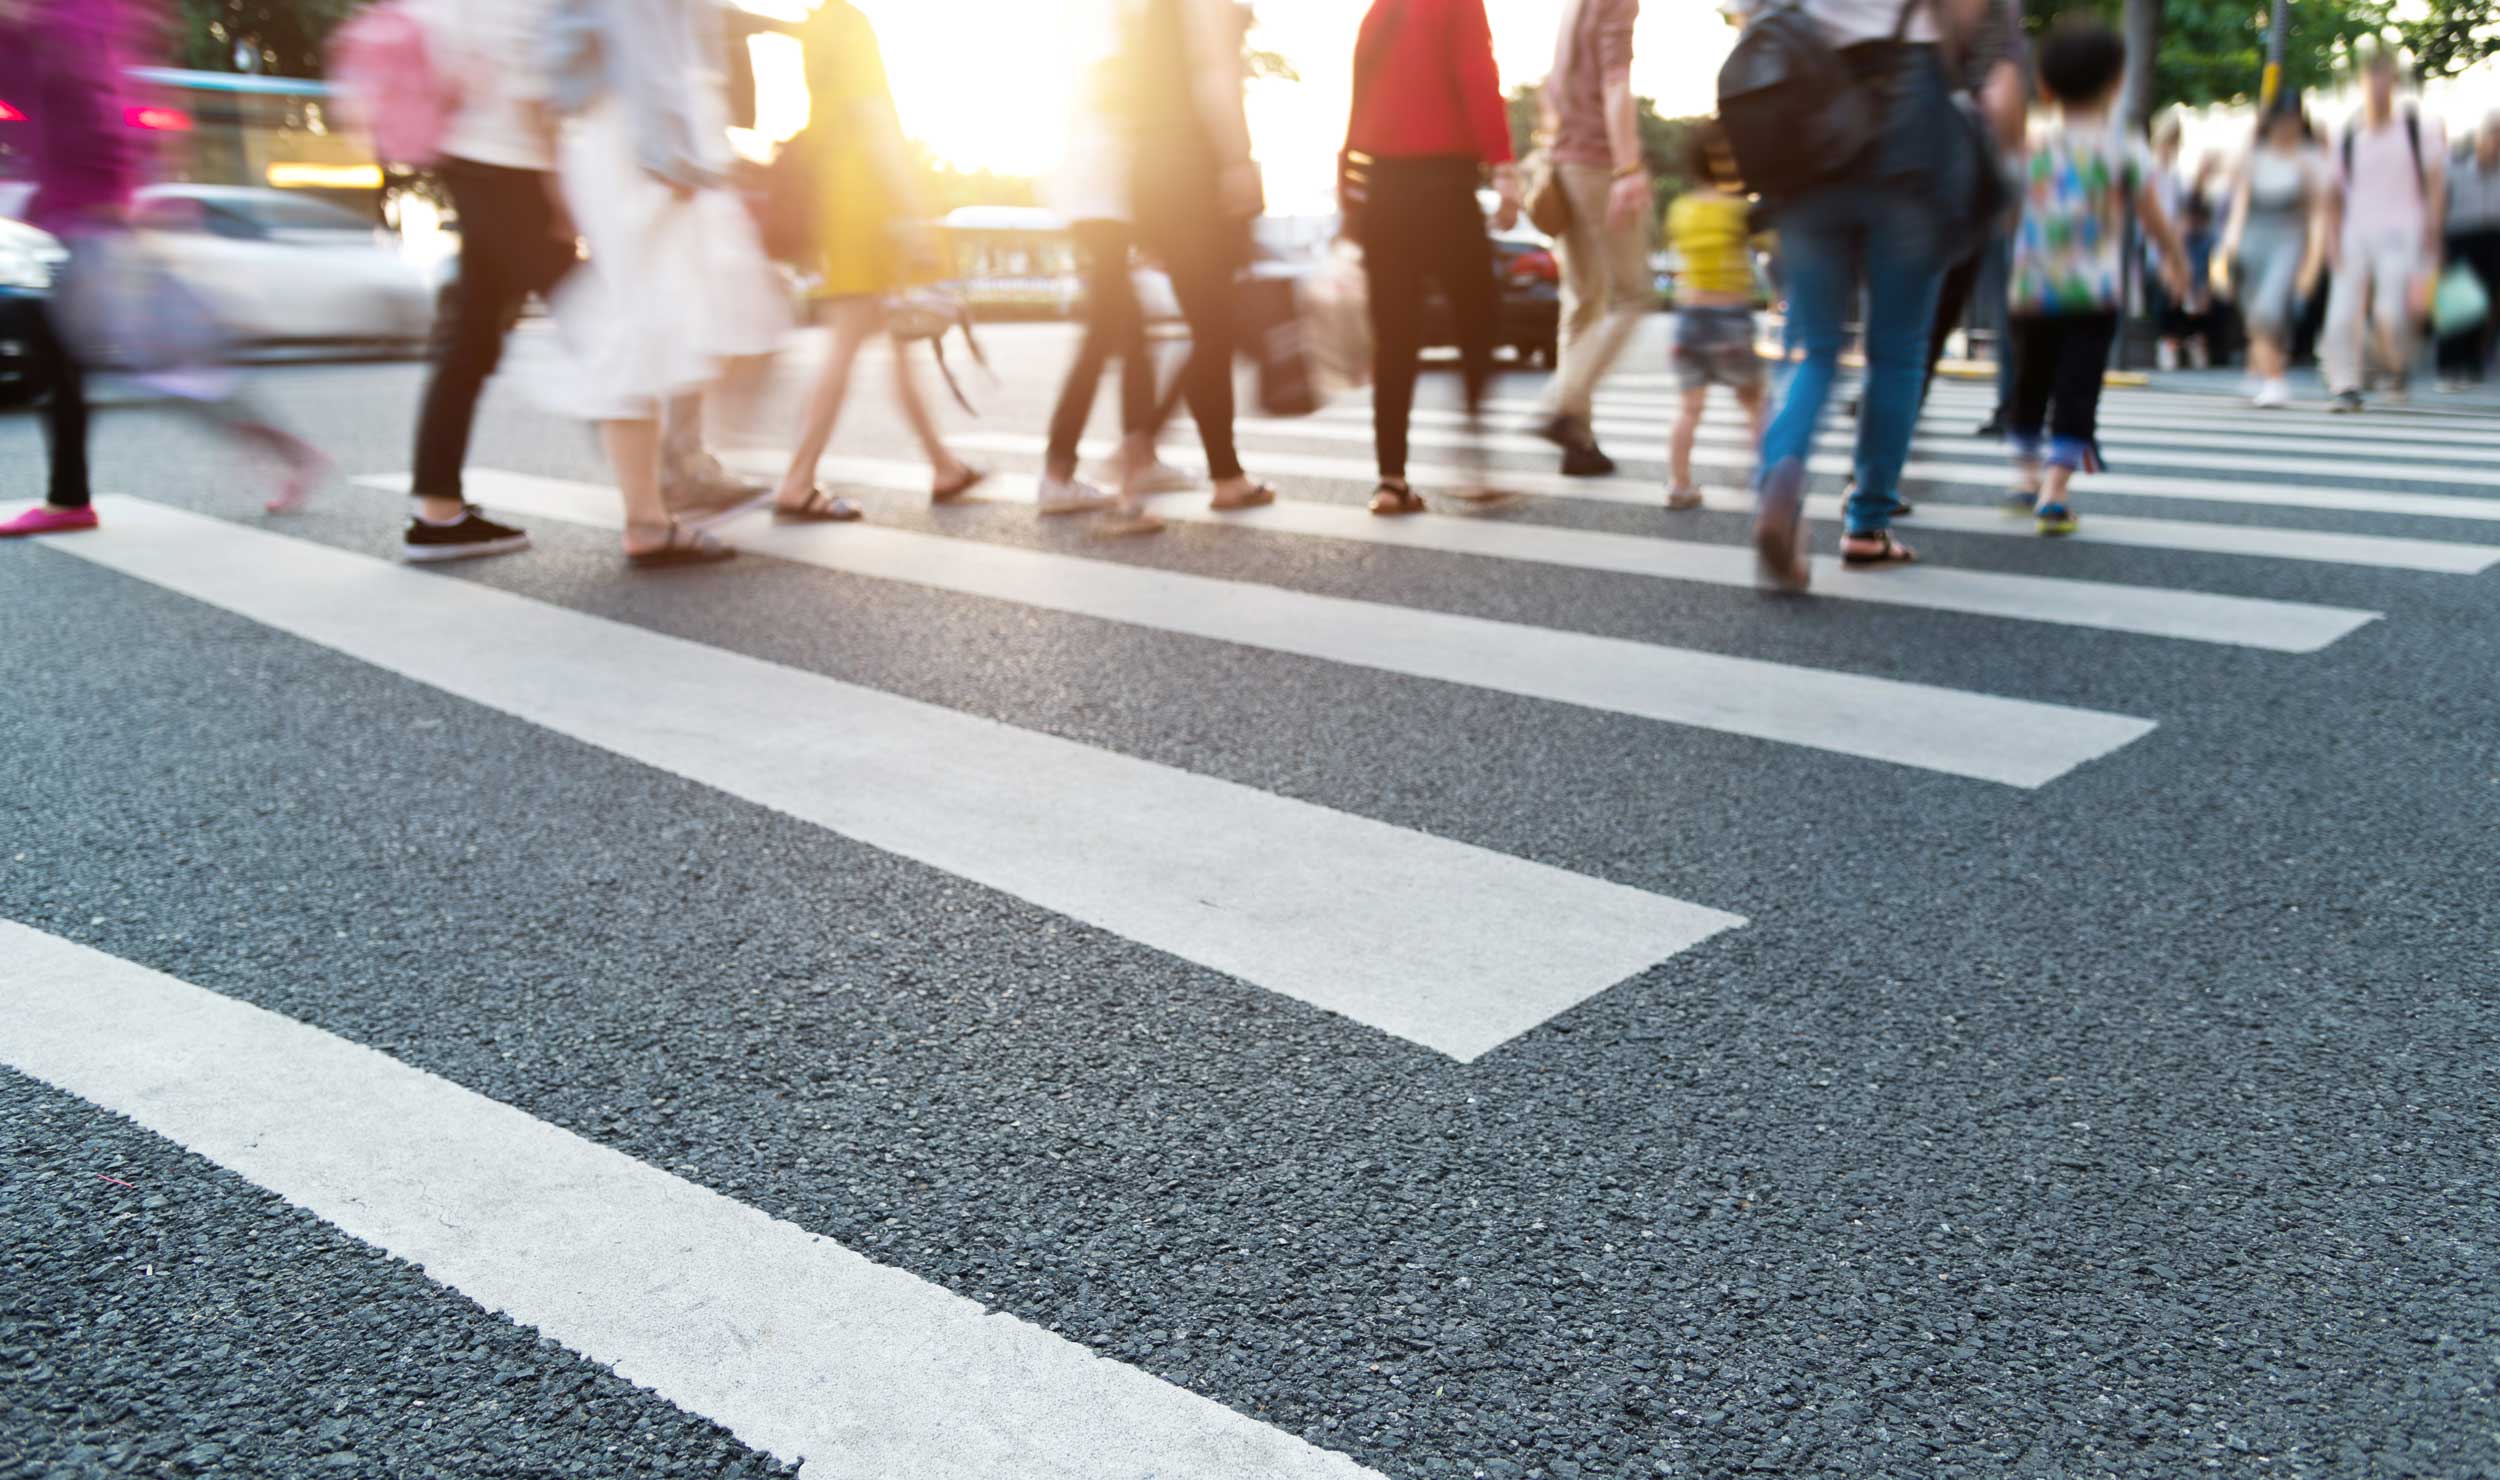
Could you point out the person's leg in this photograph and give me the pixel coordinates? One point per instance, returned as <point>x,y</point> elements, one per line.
<point>1995,283</point>
<point>1953,299</point>
<point>65,411</point>
<point>950,476</point>
<point>1903,274</point>
<point>1820,242</point>
<point>852,321</point>
<point>506,221</point>
<point>2396,269</point>
<point>1464,265</point>
<point>1680,441</point>
<point>1095,241</point>
<point>633,449</point>
<point>2347,305</point>
<point>2082,361</point>
<point>1393,269</point>
<point>1581,253</point>
<point>1202,279</point>
<point>2036,343</point>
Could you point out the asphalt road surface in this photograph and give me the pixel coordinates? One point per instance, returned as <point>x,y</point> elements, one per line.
<point>1299,996</point>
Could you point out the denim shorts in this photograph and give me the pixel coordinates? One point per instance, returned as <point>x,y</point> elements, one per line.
<point>1715,346</point>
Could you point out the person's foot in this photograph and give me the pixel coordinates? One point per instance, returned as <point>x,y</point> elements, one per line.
<point>2399,389</point>
<point>2346,403</point>
<point>2056,519</point>
<point>2166,356</point>
<point>1993,428</point>
<point>1565,432</point>
<point>2020,503</point>
<point>2272,395</point>
<point>1126,522</point>
<point>2449,385</point>
<point>1587,461</point>
<point>1395,500</point>
<point>1154,478</point>
<point>953,483</point>
<point>1875,549</point>
<point>1681,499</point>
<point>470,537</point>
<point>703,484</point>
<point>1779,530</point>
<point>1236,494</point>
<point>306,467</point>
<point>48,519</point>
<point>1062,496</point>
<point>674,544</point>
<point>2200,355</point>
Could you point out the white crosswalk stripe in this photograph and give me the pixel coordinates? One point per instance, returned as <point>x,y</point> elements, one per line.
<point>1279,893</point>
<point>801,1347</point>
<point>1981,737</point>
<point>2321,546</point>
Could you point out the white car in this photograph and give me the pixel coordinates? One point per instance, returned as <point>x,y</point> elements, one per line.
<point>279,267</point>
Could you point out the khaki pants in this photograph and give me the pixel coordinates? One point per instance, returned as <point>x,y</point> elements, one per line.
<point>1606,289</point>
<point>2381,273</point>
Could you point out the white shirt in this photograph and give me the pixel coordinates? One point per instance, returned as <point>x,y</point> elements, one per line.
<point>487,46</point>
<point>2384,190</point>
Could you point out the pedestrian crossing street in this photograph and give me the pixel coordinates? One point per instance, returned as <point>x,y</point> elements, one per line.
<point>1282,894</point>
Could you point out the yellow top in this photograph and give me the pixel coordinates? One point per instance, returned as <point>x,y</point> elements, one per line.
<point>1709,230</point>
<point>859,219</point>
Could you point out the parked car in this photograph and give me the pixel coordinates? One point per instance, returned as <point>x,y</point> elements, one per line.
<point>1530,323</point>
<point>282,268</point>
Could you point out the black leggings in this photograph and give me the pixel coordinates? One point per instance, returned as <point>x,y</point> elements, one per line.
<point>508,250</point>
<point>1423,221</point>
<point>1203,262</point>
<point>1115,328</point>
<point>2059,362</point>
<point>2467,355</point>
<point>63,384</point>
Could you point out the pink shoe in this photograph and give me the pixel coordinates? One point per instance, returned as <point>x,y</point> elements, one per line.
<point>307,468</point>
<point>44,519</point>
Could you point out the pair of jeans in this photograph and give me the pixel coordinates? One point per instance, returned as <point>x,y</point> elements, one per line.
<point>509,250</point>
<point>1835,241</point>
<point>2060,363</point>
<point>63,384</point>
<point>1424,223</point>
<point>1115,328</point>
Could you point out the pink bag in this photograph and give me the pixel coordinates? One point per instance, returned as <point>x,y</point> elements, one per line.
<point>383,64</point>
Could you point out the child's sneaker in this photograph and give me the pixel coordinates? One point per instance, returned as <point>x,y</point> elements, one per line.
<point>2020,503</point>
<point>2055,519</point>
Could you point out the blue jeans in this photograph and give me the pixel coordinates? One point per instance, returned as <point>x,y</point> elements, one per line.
<point>1834,240</point>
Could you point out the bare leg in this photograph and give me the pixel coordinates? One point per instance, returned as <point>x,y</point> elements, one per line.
<point>854,319</point>
<point>2265,356</point>
<point>945,468</point>
<point>2053,486</point>
<point>634,456</point>
<point>1680,442</point>
<point>1757,404</point>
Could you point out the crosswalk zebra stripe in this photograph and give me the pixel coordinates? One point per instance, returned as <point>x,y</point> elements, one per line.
<point>2385,552</point>
<point>2208,412</point>
<point>1981,737</point>
<point>2149,611</point>
<point>2130,443</point>
<point>2099,486</point>
<point>1279,893</point>
<point>796,1344</point>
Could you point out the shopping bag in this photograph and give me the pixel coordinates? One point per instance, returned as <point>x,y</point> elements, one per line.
<point>2461,302</point>
<point>1273,332</point>
<point>1337,319</point>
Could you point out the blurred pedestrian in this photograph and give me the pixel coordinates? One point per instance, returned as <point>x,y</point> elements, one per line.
<point>872,245</point>
<point>1711,229</point>
<point>1091,189</point>
<point>2170,182</point>
<point>1881,220</point>
<point>2474,244</point>
<point>1594,121</point>
<point>2084,172</point>
<point>1994,74</point>
<point>1194,190</point>
<point>677,288</point>
<point>2274,238</point>
<point>498,160</point>
<point>1429,122</point>
<point>2389,226</point>
<point>62,63</point>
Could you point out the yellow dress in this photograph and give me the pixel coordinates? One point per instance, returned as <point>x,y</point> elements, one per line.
<point>863,254</point>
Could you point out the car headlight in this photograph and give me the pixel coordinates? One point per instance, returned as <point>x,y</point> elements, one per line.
<point>27,258</point>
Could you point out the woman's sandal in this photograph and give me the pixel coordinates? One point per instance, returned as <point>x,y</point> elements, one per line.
<point>1256,496</point>
<point>684,547</point>
<point>1888,551</point>
<point>819,507</point>
<point>1389,501</point>
<point>947,493</point>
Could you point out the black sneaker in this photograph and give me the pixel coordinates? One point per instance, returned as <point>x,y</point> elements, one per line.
<point>1585,461</point>
<point>474,536</point>
<point>1565,432</point>
<point>2345,403</point>
<point>1993,428</point>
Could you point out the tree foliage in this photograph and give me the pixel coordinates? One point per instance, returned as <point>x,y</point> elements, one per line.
<point>2214,51</point>
<point>284,37</point>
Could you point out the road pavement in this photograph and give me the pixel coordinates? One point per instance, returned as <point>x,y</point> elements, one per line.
<point>1302,995</point>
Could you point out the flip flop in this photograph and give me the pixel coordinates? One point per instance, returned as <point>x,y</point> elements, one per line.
<point>1389,501</point>
<point>948,493</point>
<point>1258,496</point>
<point>1888,551</point>
<point>819,507</point>
<point>685,547</point>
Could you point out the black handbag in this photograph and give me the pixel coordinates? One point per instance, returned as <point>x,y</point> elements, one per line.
<point>1795,112</point>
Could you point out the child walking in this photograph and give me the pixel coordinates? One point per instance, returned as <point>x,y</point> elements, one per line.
<point>1714,328</point>
<point>2069,268</point>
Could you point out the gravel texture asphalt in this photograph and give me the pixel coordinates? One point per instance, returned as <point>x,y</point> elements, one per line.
<point>2135,1126</point>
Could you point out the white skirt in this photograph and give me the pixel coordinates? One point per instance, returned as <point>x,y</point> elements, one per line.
<point>674,285</point>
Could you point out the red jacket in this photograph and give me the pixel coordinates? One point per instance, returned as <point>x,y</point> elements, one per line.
<point>1425,83</point>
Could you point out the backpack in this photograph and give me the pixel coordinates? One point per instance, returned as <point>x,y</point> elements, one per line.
<point>1794,111</point>
<point>2413,136</point>
<point>383,64</point>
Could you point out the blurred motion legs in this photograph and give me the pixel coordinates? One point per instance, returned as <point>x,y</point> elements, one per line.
<point>1424,223</point>
<point>65,411</point>
<point>1115,329</point>
<point>1606,292</point>
<point>1202,267</point>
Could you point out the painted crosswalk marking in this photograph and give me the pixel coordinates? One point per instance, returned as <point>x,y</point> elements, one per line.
<point>2102,485</point>
<point>2389,552</point>
<point>794,1343</point>
<point>1279,893</point>
<point>2010,741</point>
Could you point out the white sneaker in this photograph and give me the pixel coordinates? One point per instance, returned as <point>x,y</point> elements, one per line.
<point>1161,478</point>
<point>2272,395</point>
<point>2166,356</point>
<point>1057,496</point>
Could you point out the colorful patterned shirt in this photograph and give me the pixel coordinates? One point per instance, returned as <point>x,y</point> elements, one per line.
<point>2069,255</point>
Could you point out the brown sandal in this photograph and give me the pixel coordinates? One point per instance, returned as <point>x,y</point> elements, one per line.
<point>1257,496</point>
<point>947,493</point>
<point>819,507</point>
<point>683,547</point>
<point>1888,551</point>
<point>1389,501</point>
